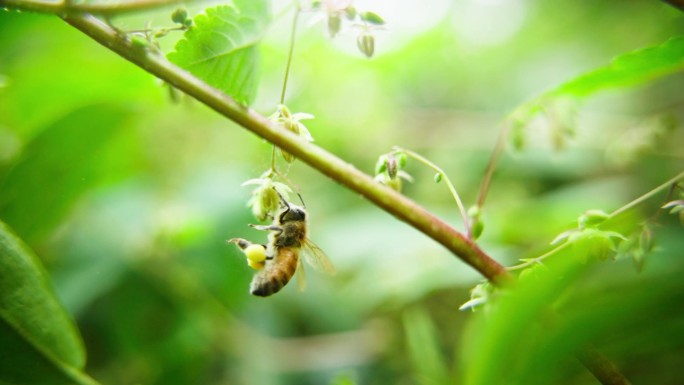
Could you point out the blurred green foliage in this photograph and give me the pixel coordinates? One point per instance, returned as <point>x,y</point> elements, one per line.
<point>128,198</point>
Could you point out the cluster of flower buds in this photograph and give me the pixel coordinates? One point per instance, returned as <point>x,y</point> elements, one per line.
<point>590,242</point>
<point>338,11</point>
<point>389,170</point>
<point>265,200</point>
<point>147,38</point>
<point>292,122</point>
<point>180,16</point>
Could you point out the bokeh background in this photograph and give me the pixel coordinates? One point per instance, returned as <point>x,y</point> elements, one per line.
<point>128,197</point>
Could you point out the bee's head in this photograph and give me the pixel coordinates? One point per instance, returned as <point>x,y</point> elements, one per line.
<point>291,213</point>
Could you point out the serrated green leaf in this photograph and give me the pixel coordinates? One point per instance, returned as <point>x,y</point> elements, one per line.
<point>221,48</point>
<point>628,69</point>
<point>40,343</point>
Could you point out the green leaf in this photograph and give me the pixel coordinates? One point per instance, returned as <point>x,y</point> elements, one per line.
<point>40,343</point>
<point>629,69</point>
<point>68,158</point>
<point>499,341</point>
<point>424,350</point>
<point>372,18</point>
<point>592,218</point>
<point>221,48</point>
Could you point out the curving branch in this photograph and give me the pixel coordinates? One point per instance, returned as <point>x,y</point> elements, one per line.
<point>104,9</point>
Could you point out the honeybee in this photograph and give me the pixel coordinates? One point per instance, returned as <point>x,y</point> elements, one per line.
<point>278,261</point>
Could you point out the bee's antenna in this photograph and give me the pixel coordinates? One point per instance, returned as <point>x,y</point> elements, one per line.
<point>282,199</point>
<point>301,200</point>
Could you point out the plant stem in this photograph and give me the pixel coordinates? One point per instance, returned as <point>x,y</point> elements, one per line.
<point>491,164</point>
<point>290,53</point>
<point>148,30</point>
<point>671,182</point>
<point>601,367</point>
<point>646,196</point>
<point>105,9</point>
<point>450,185</point>
<point>540,258</point>
<point>344,173</point>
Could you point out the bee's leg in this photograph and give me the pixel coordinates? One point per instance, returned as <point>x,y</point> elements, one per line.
<point>241,243</point>
<point>275,228</point>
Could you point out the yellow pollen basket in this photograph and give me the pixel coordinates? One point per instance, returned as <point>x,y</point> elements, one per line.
<point>256,256</point>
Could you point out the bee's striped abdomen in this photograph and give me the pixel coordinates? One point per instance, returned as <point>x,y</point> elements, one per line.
<point>277,272</point>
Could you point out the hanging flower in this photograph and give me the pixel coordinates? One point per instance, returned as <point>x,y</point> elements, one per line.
<point>292,122</point>
<point>264,201</point>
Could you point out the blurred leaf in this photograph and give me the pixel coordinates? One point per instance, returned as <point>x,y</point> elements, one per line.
<point>40,343</point>
<point>221,48</point>
<point>631,68</point>
<point>512,327</point>
<point>64,161</point>
<point>423,345</point>
<point>533,332</point>
<point>80,74</point>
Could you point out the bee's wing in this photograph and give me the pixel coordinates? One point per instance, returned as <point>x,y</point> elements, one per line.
<point>316,257</point>
<point>301,276</point>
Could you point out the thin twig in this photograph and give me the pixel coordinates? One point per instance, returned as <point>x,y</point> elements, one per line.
<point>671,182</point>
<point>646,196</point>
<point>601,367</point>
<point>452,189</point>
<point>491,164</point>
<point>290,52</point>
<point>105,9</point>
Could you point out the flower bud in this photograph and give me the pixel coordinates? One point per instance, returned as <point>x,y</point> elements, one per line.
<point>139,41</point>
<point>372,18</point>
<point>179,16</point>
<point>392,167</point>
<point>591,219</point>
<point>475,220</point>
<point>350,12</point>
<point>366,43</point>
<point>161,33</point>
<point>264,200</point>
<point>401,160</point>
<point>476,228</point>
<point>437,177</point>
<point>334,24</point>
<point>381,165</point>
